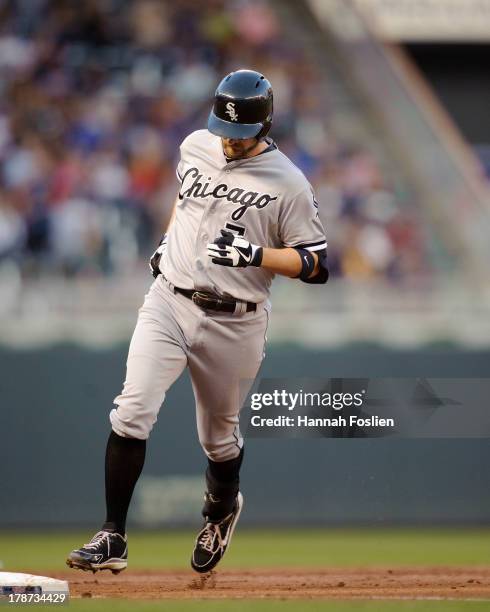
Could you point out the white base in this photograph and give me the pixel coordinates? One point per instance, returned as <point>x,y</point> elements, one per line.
<point>48,585</point>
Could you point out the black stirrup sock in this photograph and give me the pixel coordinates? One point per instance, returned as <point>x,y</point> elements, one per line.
<point>226,471</point>
<point>124,459</point>
<point>222,480</point>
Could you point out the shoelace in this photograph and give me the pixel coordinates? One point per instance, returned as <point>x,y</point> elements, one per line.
<point>97,539</point>
<point>210,532</point>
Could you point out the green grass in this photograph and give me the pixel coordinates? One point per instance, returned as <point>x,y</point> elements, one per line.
<point>266,548</point>
<point>277,606</point>
<point>46,552</point>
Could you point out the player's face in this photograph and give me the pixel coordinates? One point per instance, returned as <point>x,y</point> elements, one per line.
<point>234,148</point>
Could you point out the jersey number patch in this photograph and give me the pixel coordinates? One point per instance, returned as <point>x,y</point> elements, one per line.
<point>236,229</point>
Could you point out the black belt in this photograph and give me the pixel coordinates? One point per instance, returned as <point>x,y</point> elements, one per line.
<point>211,301</point>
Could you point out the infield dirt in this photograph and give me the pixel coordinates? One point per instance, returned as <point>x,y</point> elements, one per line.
<point>290,583</point>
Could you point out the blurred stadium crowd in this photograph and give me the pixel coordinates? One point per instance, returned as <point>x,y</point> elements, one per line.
<point>97,95</point>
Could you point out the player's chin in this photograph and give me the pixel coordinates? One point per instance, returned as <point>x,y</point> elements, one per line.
<point>233,155</point>
<point>232,152</point>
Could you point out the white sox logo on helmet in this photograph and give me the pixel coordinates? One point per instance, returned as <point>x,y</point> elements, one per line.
<point>230,110</point>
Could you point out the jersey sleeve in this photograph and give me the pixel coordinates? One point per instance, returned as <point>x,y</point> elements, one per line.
<point>185,146</point>
<point>178,171</point>
<point>299,224</point>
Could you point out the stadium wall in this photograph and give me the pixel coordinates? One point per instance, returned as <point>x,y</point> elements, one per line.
<point>54,423</point>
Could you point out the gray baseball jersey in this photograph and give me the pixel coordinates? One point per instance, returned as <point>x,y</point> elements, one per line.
<point>267,200</point>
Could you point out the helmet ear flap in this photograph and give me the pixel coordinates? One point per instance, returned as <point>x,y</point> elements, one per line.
<point>264,131</point>
<point>267,123</point>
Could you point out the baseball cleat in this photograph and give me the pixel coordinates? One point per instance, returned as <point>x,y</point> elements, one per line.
<point>106,550</point>
<point>214,538</point>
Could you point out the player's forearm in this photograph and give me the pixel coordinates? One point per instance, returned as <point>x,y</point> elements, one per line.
<point>285,261</point>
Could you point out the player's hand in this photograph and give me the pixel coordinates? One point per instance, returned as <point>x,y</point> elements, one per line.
<point>154,262</point>
<point>231,250</point>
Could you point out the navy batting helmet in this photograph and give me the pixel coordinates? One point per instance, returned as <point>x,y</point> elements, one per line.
<point>242,106</point>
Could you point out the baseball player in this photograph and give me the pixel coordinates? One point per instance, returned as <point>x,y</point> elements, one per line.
<point>244,213</point>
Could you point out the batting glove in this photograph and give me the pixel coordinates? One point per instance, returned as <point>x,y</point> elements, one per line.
<point>231,250</point>
<point>155,259</point>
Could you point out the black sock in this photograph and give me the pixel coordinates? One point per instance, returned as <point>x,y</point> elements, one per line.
<point>226,471</point>
<point>124,459</point>
<point>222,480</point>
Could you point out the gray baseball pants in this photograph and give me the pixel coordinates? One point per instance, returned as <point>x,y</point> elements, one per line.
<point>222,351</point>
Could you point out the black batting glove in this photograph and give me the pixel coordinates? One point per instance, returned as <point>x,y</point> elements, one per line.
<point>232,250</point>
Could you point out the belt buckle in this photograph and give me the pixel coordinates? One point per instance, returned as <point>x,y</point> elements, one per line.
<point>203,300</point>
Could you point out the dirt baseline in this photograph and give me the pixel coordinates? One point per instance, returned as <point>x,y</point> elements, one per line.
<point>286,583</point>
